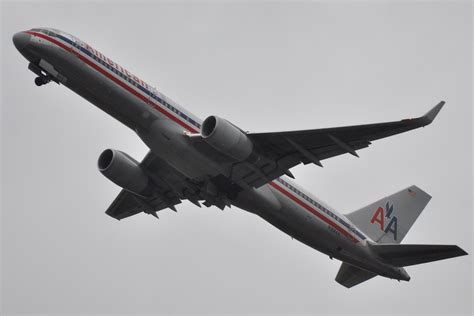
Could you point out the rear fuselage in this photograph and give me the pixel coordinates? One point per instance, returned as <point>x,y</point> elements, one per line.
<point>163,125</point>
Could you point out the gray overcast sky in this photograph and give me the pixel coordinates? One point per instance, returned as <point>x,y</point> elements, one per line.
<point>265,67</point>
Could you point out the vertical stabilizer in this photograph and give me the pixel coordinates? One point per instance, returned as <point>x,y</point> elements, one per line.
<point>389,219</point>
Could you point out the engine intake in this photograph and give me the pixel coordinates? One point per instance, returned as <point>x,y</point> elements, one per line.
<point>124,171</point>
<point>226,138</point>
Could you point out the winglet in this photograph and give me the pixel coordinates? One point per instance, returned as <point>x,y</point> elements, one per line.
<point>429,117</point>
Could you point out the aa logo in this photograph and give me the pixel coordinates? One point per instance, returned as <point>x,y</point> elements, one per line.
<point>382,216</point>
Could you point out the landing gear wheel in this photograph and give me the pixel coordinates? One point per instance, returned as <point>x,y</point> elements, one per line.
<point>39,81</point>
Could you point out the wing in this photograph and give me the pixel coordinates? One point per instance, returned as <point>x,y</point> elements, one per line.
<point>278,152</point>
<point>283,150</point>
<point>127,204</point>
<point>169,188</point>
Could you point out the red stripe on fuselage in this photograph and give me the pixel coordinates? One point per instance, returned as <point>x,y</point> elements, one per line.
<point>313,211</point>
<point>116,80</point>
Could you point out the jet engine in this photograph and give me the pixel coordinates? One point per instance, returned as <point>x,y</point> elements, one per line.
<point>226,138</point>
<point>124,171</point>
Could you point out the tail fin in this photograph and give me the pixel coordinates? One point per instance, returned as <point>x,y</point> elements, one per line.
<point>408,255</point>
<point>389,219</point>
<point>350,275</point>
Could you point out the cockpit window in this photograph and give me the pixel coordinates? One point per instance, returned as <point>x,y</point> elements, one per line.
<point>44,31</point>
<point>68,36</point>
<point>57,33</point>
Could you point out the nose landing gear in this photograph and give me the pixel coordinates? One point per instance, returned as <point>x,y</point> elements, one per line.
<point>44,76</point>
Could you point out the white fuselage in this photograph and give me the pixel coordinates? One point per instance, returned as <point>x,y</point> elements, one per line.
<point>162,125</point>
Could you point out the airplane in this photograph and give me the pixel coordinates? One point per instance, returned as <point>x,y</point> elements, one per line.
<point>215,163</point>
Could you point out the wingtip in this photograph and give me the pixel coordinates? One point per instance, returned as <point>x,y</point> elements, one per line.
<point>462,252</point>
<point>431,115</point>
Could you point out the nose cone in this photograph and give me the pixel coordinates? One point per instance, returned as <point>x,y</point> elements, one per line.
<point>21,40</point>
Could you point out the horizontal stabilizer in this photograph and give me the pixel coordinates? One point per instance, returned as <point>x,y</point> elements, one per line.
<point>408,255</point>
<point>350,275</point>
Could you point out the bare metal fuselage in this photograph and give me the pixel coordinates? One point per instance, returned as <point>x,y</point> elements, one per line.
<point>280,202</point>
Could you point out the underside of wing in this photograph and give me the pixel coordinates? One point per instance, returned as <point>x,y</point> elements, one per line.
<point>165,184</point>
<point>168,188</point>
<point>281,151</point>
<point>127,204</point>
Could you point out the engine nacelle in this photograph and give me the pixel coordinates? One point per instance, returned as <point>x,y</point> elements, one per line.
<point>226,138</point>
<point>124,171</point>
